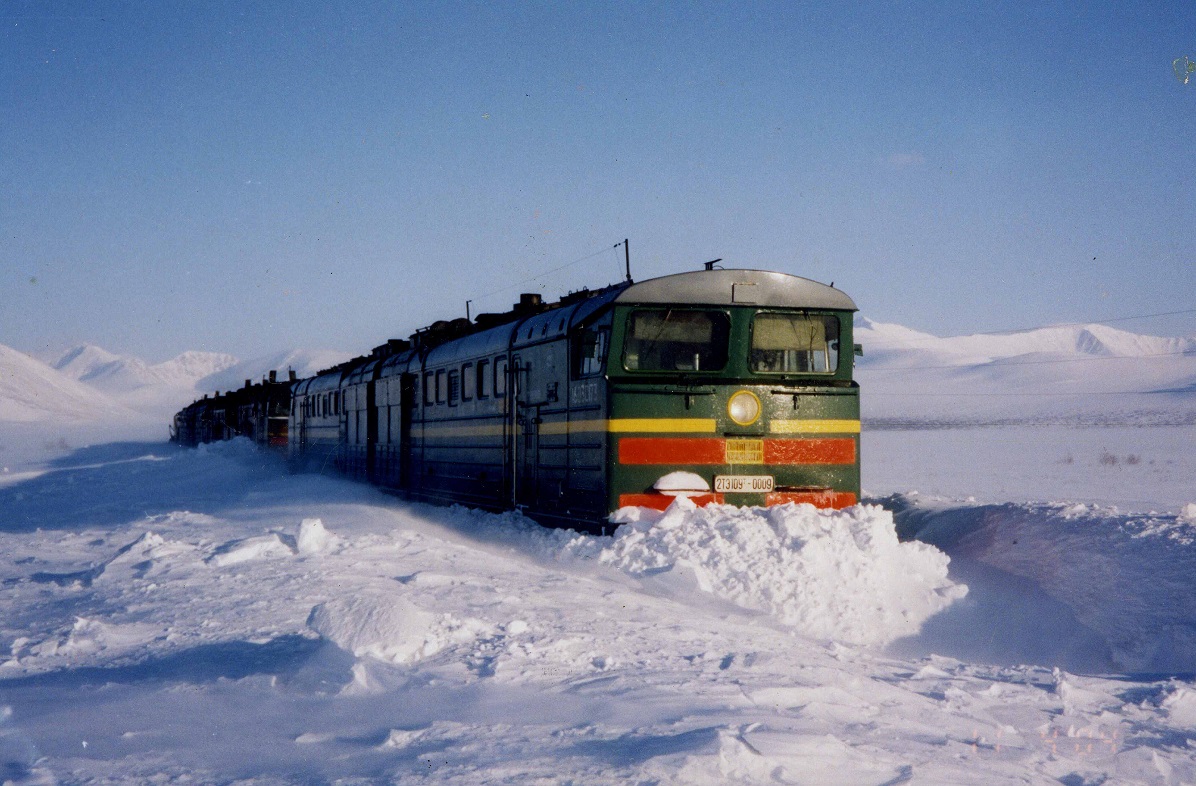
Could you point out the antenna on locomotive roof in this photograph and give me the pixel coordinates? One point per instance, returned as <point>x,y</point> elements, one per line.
<point>626,257</point>
<point>467,302</point>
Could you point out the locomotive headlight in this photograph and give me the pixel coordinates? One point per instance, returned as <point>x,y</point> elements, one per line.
<point>744,407</point>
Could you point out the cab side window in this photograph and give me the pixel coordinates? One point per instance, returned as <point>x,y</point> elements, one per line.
<point>589,351</point>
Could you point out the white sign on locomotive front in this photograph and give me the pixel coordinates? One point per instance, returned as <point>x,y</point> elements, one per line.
<point>743,483</point>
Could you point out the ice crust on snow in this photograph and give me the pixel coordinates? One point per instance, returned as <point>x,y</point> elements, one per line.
<point>839,575</point>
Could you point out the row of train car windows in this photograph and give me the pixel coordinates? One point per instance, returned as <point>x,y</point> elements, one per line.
<point>481,380</point>
<point>478,380</point>
<point>320,406</point>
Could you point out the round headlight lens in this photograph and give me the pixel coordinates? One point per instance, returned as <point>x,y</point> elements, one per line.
<point>744,408</point>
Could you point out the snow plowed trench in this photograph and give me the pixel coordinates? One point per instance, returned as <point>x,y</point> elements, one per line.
<point>1127,578</point>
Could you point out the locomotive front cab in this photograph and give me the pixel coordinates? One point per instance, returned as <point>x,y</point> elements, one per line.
<point>733,386</point>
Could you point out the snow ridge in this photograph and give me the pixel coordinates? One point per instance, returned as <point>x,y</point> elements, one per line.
<point>838,575</point>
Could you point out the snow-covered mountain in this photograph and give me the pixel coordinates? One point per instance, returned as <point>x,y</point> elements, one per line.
<point>32,391</point>
<point>304,362</point>
<point>1068,373</point>
<point>886,343</point>
<point>162,388</point>
<point>117,374</point>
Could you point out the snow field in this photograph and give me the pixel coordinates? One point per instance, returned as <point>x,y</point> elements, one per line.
<point>205,616</point>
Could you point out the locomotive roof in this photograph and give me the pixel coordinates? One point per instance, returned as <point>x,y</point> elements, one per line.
<point>737,287</point>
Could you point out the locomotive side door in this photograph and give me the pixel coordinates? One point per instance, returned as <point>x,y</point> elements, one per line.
<point>525,435</point>
<point>371,426</point>
<point>407,403</point>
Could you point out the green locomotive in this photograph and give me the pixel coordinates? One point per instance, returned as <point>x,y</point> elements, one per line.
<point>729,386</point>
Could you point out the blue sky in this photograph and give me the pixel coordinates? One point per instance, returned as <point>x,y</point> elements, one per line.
<point>249,177</point>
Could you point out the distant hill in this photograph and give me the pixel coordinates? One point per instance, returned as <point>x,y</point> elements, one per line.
<point>163,388</point>
<point>304,362</point>
<point>115,374</point>
<point>32,391</point>
<point>1068,373</point>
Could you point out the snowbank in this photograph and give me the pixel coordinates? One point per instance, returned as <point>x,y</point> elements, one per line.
<point>1126,577</point>
<point>389,628</point>
<point>838,575</point>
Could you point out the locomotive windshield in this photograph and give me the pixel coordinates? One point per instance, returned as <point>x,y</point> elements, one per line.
<point>674,340</point>
<point>794,343</point>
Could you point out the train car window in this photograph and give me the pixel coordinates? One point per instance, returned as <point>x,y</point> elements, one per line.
<point>468,383</point>
<point>589,351</point>
<point>500,377</point>
<point>441,387</point>
<point>676,340</point>
<point>794,344</point>
<point>454,387</point>
<point>429,390</point>
<point>483,379</point>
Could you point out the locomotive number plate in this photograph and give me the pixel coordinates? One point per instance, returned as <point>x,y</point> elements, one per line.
<point>742,483</point>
